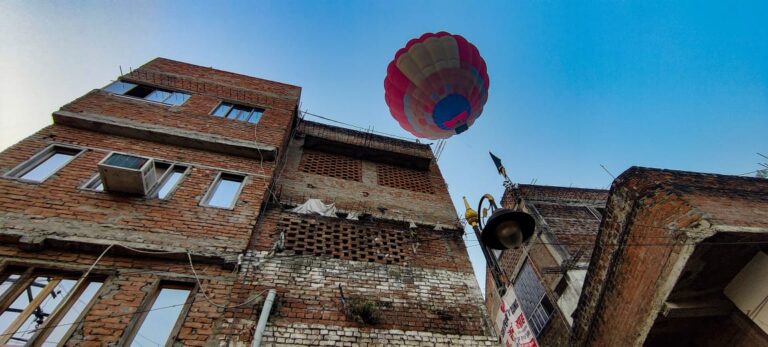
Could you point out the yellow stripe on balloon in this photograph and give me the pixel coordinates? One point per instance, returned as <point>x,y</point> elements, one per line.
<point>425,58</point>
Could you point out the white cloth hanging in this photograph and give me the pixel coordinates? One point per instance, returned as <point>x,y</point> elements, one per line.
<point>316,206</point>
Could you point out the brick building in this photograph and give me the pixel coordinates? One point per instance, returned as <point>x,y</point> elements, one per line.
<point>682,256</point>
<point>548,273</point>
<point>666,258</point>
<point>158,210</point>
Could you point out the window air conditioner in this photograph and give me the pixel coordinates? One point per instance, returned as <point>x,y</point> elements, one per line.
<point>127,173</point>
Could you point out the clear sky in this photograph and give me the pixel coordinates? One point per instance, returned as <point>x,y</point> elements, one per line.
<point>573,84</point>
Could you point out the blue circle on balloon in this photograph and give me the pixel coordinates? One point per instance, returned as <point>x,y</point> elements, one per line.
<point>451,112</point>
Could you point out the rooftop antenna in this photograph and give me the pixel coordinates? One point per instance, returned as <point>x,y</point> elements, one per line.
<point>608,172</point>
<point>762,173</point>
<point>121,69</point>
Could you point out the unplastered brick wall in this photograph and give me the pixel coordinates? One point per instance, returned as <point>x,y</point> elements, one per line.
<point>57,208</point>
<point>373,241</point>
<point>129,280</point>
<point>567,223</point>
<point>365,139</point>
<point>572,227</point>
<point>333,335</point>
<point>201,74</point>
<point>625,282</point>
<point>407,298</point>
<point>369,194</point>
<point>208,88</point>
<point>332,165</point>
<point>404,178</point>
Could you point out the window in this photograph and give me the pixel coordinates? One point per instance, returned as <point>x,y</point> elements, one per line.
<point>42,307</point>
<point>44,164</point>
<point>533,298</point>
<point>163,96</point>
<point>169,177</point>
<point>94,183</point>
<point>238,112</point>
<point>224,191</point>
<point>160,322</point>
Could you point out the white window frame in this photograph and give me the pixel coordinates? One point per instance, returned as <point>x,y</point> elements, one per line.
<point>38,158</point>
<point>87,185</point>
<point>149,301</point>
<point>154,192</point>
<point>214,185</point>
<point>143,99</point>
<point>263,110</point>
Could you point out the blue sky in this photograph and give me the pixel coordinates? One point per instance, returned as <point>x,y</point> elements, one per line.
<point>573,85</point>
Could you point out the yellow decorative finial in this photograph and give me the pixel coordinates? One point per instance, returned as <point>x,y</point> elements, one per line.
<point>470,215</point>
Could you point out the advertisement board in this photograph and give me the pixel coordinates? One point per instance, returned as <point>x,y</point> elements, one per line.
<point>513,327</point>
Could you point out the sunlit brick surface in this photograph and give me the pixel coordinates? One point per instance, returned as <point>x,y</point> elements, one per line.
<point>331,165</point>
<point>344,241</point>
<point>402,178</point>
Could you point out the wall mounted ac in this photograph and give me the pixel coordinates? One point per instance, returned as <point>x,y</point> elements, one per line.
<point>127,173</point>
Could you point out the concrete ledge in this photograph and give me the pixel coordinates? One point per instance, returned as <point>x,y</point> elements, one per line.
<point>167,135</point>
<point>367,153</point>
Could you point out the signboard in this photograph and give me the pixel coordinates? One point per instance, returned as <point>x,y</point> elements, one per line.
<point>514,330</point>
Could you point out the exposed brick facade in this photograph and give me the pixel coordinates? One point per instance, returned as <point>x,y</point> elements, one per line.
<point>667,245</point>
<point>567,222</point>
<point>419,277</point>
<point>662,249</point>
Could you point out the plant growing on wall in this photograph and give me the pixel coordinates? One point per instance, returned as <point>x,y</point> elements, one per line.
<point>363,311</point>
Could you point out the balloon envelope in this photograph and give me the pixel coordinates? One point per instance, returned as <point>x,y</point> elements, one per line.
<point>437,85</point>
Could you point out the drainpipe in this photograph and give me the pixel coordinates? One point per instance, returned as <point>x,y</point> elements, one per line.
<point>262,325</point>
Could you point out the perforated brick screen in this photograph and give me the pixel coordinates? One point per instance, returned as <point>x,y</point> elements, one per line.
<point>402,178</point>
<point>331,165</point>
<point>343,240</point>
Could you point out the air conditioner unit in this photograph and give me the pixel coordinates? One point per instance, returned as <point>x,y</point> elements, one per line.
<point>127,173</point>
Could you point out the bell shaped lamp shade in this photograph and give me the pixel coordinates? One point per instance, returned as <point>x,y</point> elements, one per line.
<point>507,229</point>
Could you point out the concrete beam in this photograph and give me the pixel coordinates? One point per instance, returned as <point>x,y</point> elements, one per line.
<point>367,153</point>
<point>163,134</point>
<point>702,307</point>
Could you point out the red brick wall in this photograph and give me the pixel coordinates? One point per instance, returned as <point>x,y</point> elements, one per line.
<point>129,280</point>
<point>401,195</point>
<point>364,241</point>
<point>61,201</point>
<point>266,87</point>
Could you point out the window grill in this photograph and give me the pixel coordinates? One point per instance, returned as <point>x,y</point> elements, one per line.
<point>533,299</point>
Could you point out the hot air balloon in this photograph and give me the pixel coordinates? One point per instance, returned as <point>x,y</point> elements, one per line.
<point>437,85</point>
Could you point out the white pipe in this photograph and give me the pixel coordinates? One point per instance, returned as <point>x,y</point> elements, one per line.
<point>262,325</point>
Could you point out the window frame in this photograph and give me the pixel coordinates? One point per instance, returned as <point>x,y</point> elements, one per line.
<point>27,276</point>
<point>146,306</point>
<point>214,185</point>
<point>540,301</point>
<point>155,88</point>
<point>90,181</point>
<point>154,192</point>
<point>235,104</point>
<point>39,158</point>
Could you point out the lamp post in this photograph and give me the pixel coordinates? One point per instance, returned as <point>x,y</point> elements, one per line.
<point>504,229</point>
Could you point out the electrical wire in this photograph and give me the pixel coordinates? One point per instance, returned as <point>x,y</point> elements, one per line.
<point>361,128</point>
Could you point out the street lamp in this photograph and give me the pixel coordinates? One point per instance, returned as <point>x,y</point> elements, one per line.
<point>504,229</point>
